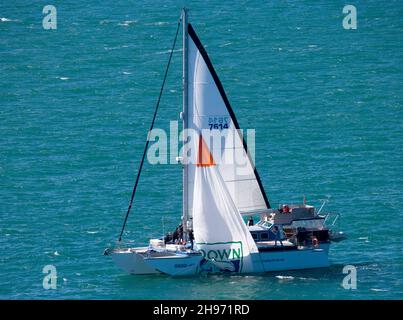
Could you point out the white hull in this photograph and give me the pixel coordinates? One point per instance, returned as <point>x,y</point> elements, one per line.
<point>132,262</point>
<point>181,265</point>
<point>135,261</point>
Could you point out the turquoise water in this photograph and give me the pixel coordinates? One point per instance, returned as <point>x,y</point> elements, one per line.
<point>75,104</point>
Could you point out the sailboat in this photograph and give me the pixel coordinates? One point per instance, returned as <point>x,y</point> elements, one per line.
<point>219,193</point>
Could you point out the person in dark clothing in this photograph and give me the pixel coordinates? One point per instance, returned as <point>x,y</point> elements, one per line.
<point>168,237</point>
<point>191,238</point>
<point>179,229</point>
<point>250,222</point>
<point>278,236</point>
<point>175,236</point>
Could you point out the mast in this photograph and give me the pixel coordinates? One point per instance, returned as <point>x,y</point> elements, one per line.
<point>184,121</point>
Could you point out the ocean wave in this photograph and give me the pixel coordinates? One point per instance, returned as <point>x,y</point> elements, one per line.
<point>285,277</point>
<point>168,51</point>
<point>127,23</point>
<point>225,44</point>
<point>307,279</point>
<point>158,23</point>
<point>116,48</point>
<point>7,20</point>
<point>379,290</point>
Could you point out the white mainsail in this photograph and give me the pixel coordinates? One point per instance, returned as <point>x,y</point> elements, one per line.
<point>210,111</point>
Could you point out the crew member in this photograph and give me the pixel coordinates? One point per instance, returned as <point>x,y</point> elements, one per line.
<point>191,238</point>
<point>278,235</point>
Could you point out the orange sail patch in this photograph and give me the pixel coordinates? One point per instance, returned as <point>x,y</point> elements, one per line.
<point>204,157</point>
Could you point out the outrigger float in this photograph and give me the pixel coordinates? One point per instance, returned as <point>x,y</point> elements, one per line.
<point>218,195</point>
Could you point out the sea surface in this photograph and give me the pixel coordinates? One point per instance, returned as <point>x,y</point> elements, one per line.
<point>76,104</point>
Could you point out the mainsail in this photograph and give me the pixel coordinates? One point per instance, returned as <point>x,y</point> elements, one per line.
<point>209,111</point>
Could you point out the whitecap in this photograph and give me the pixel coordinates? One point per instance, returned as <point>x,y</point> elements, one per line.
<point>127,23</point>
<point>168,51</point>
<point>125,72</point>
<point>285,277</point>
<point>63,78</point>
<point>115,48</point>
<point>56,253</point>
<point>5,20</point>
<point>378,290</point>
<point>307,279</point>
<point>160,23</point>
<point>225,44</point>
<point>92,232</point>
